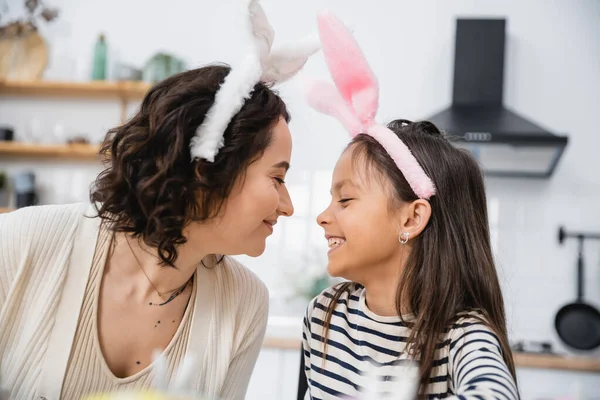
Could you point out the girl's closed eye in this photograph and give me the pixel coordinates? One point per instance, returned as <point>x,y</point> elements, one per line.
<point>344,201</point>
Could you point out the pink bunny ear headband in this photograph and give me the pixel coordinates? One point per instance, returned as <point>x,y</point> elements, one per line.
<point>259,65</point>
<point>354,99</point>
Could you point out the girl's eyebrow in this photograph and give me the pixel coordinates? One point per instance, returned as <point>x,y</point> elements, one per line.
<point>338,186</point>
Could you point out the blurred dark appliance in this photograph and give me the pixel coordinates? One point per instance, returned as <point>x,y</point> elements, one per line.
<point>505,143</point>
<point>6,133</point>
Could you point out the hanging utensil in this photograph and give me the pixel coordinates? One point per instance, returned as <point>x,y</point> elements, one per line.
<point>578,323</point>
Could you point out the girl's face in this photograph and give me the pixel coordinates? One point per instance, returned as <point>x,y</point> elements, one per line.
<point>361,230</point>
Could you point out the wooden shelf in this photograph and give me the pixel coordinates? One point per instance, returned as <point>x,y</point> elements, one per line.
<point>4,210</point>
<point>124,91</point>
<point>94,89</point>
<point>585,364</point>
<point>67,151</point>
<point>522,360</point>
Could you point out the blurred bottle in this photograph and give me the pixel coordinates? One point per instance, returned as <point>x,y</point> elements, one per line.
<point>99,65</point>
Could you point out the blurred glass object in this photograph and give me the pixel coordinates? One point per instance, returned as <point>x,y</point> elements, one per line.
<point>59,134</point>
<point>125,72</point>
<point>162,66</point>
<point>24,185</point>
<point>64,66</point>
<point>34,132</point>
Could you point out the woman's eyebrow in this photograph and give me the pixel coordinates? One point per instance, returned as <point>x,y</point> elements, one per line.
<point>282,164</point>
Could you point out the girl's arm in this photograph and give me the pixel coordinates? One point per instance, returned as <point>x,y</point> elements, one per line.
<point>476,365</point>
<point>306,344</point>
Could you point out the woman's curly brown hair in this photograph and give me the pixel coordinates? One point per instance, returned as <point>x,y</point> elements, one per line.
<point>151,187</point>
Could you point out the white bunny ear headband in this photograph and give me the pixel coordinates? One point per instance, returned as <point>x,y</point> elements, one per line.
<point>260,65</point>
<point>355,98</point>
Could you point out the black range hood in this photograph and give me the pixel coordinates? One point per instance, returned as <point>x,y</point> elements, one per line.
<point>505,143</point>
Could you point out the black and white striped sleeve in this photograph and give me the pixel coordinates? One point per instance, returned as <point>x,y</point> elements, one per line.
<point>306,338</point>
<point>306,344</point>
<point>477,368</point>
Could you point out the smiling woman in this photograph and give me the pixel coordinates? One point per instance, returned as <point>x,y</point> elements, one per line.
<point>142,267</point>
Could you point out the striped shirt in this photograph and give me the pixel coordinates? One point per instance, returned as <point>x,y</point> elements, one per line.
<point>468,362</point>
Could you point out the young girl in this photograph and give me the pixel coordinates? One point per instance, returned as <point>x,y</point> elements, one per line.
<point>407,227</point>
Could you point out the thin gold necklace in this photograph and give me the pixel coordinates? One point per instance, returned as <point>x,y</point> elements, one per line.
<point>160,294</point>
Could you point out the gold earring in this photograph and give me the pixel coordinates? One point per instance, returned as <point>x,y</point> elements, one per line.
<point>403,237</point>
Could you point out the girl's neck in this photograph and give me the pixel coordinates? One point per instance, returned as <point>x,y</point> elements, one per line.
<point>381,301</point>
<point>380,293</point>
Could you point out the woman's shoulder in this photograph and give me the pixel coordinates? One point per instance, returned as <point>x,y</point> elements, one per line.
<point>37,237</point>
<point>52,212</point>
<point>39,224</point>
<point>240,282</point>
<point>240,275</point>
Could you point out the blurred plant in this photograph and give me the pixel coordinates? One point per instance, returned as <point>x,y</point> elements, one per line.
<point>2,180</point>
<point>308,277</point>
<point>35,11</point>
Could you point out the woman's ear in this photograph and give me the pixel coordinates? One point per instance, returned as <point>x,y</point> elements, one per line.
<point>414,217</point>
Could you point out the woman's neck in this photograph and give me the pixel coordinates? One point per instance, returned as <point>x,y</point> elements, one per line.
<point>134,259</point>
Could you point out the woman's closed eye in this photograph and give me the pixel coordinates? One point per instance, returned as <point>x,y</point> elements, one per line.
<point>279,180</point>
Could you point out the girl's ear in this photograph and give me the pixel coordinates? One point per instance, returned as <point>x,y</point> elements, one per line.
<point>414,217</point>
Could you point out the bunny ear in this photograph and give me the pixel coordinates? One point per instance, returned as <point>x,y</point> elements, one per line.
<point>325,98</point>
<point>348,67</point>
<point>241,80</point>
<point>282,64</point>
<point>261,29</point>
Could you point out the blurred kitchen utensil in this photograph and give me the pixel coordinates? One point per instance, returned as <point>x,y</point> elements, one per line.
<point>578,323</point>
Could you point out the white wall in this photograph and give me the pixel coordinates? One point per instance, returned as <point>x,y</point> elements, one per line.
<point>552,77</point>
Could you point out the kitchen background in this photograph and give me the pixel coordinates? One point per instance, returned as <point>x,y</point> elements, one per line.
<point>551,76</point>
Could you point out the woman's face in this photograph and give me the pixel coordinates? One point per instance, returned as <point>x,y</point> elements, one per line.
<point>257,200</point>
